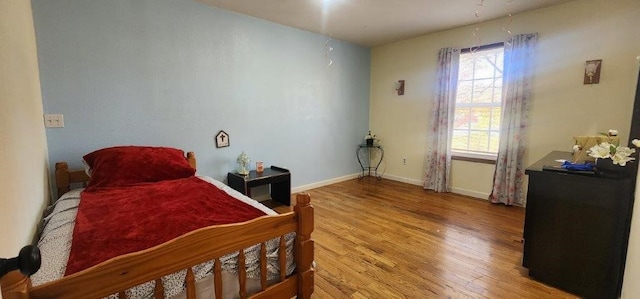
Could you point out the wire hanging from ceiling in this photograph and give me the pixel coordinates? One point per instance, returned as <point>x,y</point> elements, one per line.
<point>327,6</point>
<point>477,31</point>
<point>506,27</point>
<point>477,37</point>
<point>327,50</point>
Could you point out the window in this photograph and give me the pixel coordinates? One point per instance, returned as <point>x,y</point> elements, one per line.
<point>476,125</point>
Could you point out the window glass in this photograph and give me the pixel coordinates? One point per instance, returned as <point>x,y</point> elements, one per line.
<point>478,110</point>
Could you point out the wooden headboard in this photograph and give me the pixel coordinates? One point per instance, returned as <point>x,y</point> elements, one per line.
<point>65,177</point>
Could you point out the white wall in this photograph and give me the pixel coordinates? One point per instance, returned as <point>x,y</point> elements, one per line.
<point>23,179</point>
<point>561,107</point>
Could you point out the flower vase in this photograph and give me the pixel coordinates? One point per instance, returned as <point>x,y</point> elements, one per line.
<point>243,169</point>
<point>370,141</point>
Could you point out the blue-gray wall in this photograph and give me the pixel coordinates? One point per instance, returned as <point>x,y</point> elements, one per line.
<point>174,73</point>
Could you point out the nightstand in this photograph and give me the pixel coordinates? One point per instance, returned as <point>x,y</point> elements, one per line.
<point>279,178</point>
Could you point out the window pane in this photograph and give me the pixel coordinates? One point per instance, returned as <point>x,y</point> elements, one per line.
<point>462,118</point>
<point>485,67</point>
<point>465,70</point>
<point>499,63</point>
<point>483,91</point>
<point>494,142</point>
<point>459,140</point>
<point>464,94</point>
<point>497,92</point>
<point>479,141</point>
<point>480,118</point>
<point>495,118</point>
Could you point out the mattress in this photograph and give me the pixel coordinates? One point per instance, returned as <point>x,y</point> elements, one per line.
<point>56,239</point>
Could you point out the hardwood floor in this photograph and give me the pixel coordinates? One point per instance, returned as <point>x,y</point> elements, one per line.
<point>385,239</point>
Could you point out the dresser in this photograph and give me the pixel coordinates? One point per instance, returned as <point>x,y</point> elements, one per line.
<point>576,227</point>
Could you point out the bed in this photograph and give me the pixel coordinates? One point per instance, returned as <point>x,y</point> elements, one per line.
<point>272,254</point>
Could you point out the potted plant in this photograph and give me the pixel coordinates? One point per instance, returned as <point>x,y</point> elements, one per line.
<point>369,138</point>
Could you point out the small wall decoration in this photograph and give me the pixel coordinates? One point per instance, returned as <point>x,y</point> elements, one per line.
<point>400,87</point>
<point>592,71</point>
<point>222,139</point>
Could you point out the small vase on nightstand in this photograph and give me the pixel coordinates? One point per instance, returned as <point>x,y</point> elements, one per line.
<point>243,160</point>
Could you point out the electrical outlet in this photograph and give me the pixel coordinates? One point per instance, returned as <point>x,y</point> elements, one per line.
<point>54,121</point>
<point>404,161</point>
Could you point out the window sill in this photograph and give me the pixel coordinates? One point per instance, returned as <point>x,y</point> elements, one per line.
<point>477,158</point>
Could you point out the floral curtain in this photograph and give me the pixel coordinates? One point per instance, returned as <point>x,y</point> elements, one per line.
<point>519,52</point>
<point>438,155</point>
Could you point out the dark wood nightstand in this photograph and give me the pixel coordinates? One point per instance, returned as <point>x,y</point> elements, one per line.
<point>279,179</point>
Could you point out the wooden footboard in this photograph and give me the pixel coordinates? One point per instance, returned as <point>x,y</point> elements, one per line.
<point>209,243</point>
<point>206,244</point>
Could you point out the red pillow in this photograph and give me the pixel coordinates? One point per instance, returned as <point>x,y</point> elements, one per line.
<point>129,165</point>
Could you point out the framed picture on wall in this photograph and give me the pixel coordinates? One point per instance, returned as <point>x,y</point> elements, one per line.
<point>222,139</point>
<point>592,71</point>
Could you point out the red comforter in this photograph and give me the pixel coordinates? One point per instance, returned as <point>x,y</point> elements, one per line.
<point>116,221</point>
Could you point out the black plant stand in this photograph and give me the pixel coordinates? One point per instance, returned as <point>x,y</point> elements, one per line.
<point>364,153</point>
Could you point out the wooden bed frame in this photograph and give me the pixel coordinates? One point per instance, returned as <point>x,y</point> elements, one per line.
<point>205,244</point>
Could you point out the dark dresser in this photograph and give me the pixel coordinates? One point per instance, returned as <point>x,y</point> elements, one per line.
<point>577,228</point>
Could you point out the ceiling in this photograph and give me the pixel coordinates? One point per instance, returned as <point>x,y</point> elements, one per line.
<point>375,22</point>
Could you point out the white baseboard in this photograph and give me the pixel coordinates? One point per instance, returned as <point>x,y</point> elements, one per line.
<point>402,180</point>
<point>460,191</point>
<point>323,183</point>
<point>476,194</point>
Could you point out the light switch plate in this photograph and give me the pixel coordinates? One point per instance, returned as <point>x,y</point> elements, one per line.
<point>54,121</point>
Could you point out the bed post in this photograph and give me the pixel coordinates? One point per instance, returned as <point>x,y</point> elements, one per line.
<point>304,245</point>
<point>191,157</point>
<point>62,178</point>
<point>14,285</point>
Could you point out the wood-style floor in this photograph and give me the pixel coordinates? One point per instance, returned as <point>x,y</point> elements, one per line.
<point>385,239</point>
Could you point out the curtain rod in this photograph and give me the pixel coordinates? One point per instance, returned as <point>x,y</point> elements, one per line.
<point>483,47</point>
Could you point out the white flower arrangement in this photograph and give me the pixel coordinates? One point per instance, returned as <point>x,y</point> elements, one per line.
<point>620,155</point>
<point>370,136</point>
<point>370,139</point>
